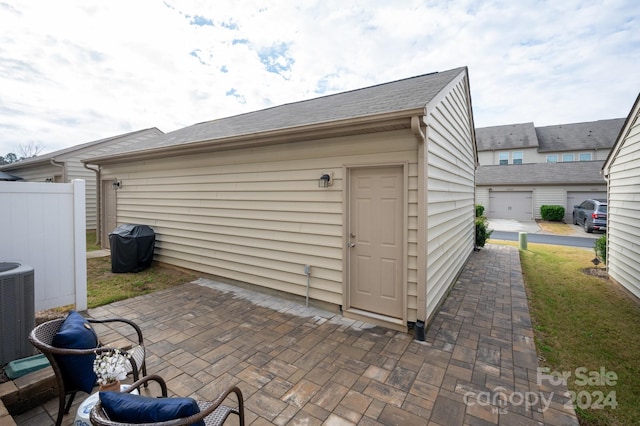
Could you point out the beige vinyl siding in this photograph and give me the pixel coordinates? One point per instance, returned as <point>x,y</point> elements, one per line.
<point>531,155</point>
<point>548,196</point>
<point>75,170</point>
<point>482,197</point>
<point>623,227</point>
<point>257,215</point>
<point>39,173</point>
<point>450,193</point>
<point>541,157</point>
<point>542,195</point>
<point>486,158</point>
<point>599,154</point>
<point>412,241</point>
<point>492,158</point>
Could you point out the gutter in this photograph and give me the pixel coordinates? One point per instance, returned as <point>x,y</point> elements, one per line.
<point>61,165</point>
<point>264,138</point>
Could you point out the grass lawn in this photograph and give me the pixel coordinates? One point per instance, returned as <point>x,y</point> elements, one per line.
<point>557,228</point>
<point>584,321</point>
<point>91,241</point>
<point>103,286</point>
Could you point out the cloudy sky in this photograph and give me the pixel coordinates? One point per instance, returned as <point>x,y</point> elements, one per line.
<point>74,71</point>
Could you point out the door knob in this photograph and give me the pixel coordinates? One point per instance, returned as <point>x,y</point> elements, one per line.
<point>352,245</point>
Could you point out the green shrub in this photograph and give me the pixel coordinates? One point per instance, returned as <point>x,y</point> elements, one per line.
<point>482,232</point>
<point>600,246</point>
<point>552,213</point>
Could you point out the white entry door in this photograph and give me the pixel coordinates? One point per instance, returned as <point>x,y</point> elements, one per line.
<point>376,200</point>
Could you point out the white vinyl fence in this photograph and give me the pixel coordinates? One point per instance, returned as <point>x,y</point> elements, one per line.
<point>43,225</point>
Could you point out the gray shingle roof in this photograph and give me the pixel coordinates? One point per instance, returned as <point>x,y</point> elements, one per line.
<point>406,94</point>
<point>577,136</point>
<point>506,137</point>
<point>590,135</point>
<point>52,155</point>
<point>579,172</point>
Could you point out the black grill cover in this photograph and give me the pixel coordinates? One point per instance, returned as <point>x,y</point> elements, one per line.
<point>131,248</point>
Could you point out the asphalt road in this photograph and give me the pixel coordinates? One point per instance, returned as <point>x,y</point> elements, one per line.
<point>561,240</point>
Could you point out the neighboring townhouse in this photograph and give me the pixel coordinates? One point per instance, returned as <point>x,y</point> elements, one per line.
<point>66,165</point>
<point>362,200</point>
<point>622,172</point>
<point>523,167</point>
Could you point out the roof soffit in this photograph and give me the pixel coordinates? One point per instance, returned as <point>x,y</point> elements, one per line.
<point>361,125</point>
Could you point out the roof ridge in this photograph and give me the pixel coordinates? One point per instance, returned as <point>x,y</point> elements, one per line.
<point>341,93</point>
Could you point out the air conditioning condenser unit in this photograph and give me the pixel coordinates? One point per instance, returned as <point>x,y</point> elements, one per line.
<point>17,311</point>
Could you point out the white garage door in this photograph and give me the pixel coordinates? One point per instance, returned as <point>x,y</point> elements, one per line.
<point>516,205</point>
<point>575,197</point>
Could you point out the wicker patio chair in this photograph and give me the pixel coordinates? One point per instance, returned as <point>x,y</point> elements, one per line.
<point>211,412</point>
<point>42,336</point>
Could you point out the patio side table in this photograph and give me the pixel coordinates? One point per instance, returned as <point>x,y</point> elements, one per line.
<point>84,410</point>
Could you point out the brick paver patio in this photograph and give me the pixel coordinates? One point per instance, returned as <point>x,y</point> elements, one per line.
<point>306,366</point>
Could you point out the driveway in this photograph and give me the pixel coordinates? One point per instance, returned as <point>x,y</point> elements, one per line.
<point>510,225</point>
<point>532,227</point>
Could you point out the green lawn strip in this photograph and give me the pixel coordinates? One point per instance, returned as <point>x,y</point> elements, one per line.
<point>584,321</point>
<point>104,286</point>
<point>91,241</point>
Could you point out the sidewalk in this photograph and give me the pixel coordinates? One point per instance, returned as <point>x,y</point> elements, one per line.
<point>98,253</point>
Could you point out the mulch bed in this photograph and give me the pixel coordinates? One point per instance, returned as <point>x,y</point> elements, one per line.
<point>597,272</point>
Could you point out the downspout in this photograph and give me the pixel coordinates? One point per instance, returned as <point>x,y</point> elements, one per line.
<point>605,175</point>
<point>98,204</point>
<point>419,329</point>
<point>61,165</point>
<point>417,130</point>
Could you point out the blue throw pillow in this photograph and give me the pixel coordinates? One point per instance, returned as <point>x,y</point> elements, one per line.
<point>77,370</point>
<point>129,408</point>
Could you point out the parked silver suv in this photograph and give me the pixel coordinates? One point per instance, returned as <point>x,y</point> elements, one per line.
<point>591,214</point>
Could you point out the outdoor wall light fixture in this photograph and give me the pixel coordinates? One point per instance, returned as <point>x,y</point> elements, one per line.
<point>325,180</point>
<point>117,184</point>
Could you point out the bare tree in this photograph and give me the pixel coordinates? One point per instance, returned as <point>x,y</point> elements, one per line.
<point>30,150</point>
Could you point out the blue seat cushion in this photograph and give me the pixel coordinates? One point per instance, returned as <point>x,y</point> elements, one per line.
<point>129,408</point>
<point>77,370</point>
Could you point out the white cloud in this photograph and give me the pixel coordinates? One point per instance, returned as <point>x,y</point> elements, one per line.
<point>73,71</point>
